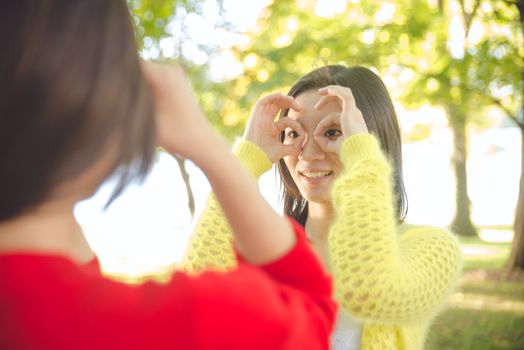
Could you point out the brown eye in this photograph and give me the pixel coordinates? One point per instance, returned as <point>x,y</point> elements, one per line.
<point>332,133</point>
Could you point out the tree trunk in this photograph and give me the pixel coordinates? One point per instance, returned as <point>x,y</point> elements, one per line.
<point>461,223</point>
<point>185,176</point>
<point>516,258</point>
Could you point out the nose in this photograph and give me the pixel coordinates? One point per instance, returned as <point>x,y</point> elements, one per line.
<point>311,150</point>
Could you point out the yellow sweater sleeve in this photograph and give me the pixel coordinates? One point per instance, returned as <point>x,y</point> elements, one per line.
<point>210,246</point>
<point>382,276</point>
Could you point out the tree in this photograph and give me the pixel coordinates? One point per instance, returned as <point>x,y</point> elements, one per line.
<point>516,258</point>
<point>152,19</point>
<point>445,83</point>
<point>468,76</point>
<point>397,38</point>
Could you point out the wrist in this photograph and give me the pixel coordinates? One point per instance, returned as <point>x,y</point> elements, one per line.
<point>252,157</point>
<point>358,146</point>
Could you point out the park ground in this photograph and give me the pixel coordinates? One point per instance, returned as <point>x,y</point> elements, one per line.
<point>487,309</point>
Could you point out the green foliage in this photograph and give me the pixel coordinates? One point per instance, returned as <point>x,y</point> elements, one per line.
<point>289,40</point>
<point>151,18</point>
<point>418,133</point>
<point>489,65</point>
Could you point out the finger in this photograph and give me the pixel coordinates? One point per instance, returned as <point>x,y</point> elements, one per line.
<point>324,100</point>
<point>294,147</point>
<point>342,92</point>
<point>332,119</point>
<point>286,122</point>
<point>281,101</point>
<point>290,150</point>
<point>333,89</point>
<point>327,145</point>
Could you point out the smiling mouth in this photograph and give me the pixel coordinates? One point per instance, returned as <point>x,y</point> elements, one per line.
<point>315,177</point>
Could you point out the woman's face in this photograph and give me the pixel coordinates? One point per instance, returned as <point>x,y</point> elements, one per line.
<point>313,170</point>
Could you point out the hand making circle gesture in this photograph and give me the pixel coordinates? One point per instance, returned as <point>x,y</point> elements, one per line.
<point>350,119</point>
<point>264,131</point>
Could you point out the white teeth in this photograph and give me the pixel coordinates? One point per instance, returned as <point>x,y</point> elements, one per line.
<point>317,174</point>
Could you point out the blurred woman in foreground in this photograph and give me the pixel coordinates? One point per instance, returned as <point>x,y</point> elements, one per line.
<point>77,106</point>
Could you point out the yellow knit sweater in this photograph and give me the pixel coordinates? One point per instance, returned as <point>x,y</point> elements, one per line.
<point>392,279</point>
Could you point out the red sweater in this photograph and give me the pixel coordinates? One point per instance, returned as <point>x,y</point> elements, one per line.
<point>48,302</point>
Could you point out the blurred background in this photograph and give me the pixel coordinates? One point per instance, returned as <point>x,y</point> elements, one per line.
<point>454,69</point>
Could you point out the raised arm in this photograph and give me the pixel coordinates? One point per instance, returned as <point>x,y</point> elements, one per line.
<point>211,243</point>
<point>381,275</point>
<point>261,235</point>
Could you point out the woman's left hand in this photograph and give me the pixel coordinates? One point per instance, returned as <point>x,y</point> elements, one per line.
<point>182,127</point>
<point>349,119</point>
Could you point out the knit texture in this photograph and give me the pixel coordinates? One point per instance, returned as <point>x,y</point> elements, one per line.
<point>50,302</point>
<point>211,243</point>
<point>392,279</point>
<point>394,283</point>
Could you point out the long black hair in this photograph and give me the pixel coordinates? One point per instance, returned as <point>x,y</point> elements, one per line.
<point>71,86</point>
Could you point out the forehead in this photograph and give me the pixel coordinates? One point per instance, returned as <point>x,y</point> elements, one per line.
<point>309,114</point>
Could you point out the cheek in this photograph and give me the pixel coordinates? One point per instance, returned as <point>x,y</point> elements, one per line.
<point>336,163</point>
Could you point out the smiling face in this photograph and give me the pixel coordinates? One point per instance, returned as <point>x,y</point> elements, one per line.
<point>313,170</point>
<point>373,100</point>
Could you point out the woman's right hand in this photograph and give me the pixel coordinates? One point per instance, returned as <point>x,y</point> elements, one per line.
<point>264,131</point>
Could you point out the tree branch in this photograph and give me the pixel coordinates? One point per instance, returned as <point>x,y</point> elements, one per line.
<point>509,114</point>
<point>185,177</point>
<point>468,17</point>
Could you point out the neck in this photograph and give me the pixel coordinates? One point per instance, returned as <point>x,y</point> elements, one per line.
<point>320,217</point>
<point>50,229</point>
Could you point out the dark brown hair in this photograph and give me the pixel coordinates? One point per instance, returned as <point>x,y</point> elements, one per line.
<point>71,85</point>
<point>372,98</point>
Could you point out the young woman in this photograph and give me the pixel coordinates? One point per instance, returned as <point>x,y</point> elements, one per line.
<point>338,150</point>
<point>77,106</point>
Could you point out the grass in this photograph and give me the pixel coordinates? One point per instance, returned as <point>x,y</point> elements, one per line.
<point>485,312</point>
<point>484,255</point>
<point>477,329</point>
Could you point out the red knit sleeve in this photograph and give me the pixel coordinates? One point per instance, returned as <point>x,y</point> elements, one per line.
<point>284,305</point>
<point>50,303</point>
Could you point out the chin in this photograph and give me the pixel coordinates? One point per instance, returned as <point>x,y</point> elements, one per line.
<point>317,197</point>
